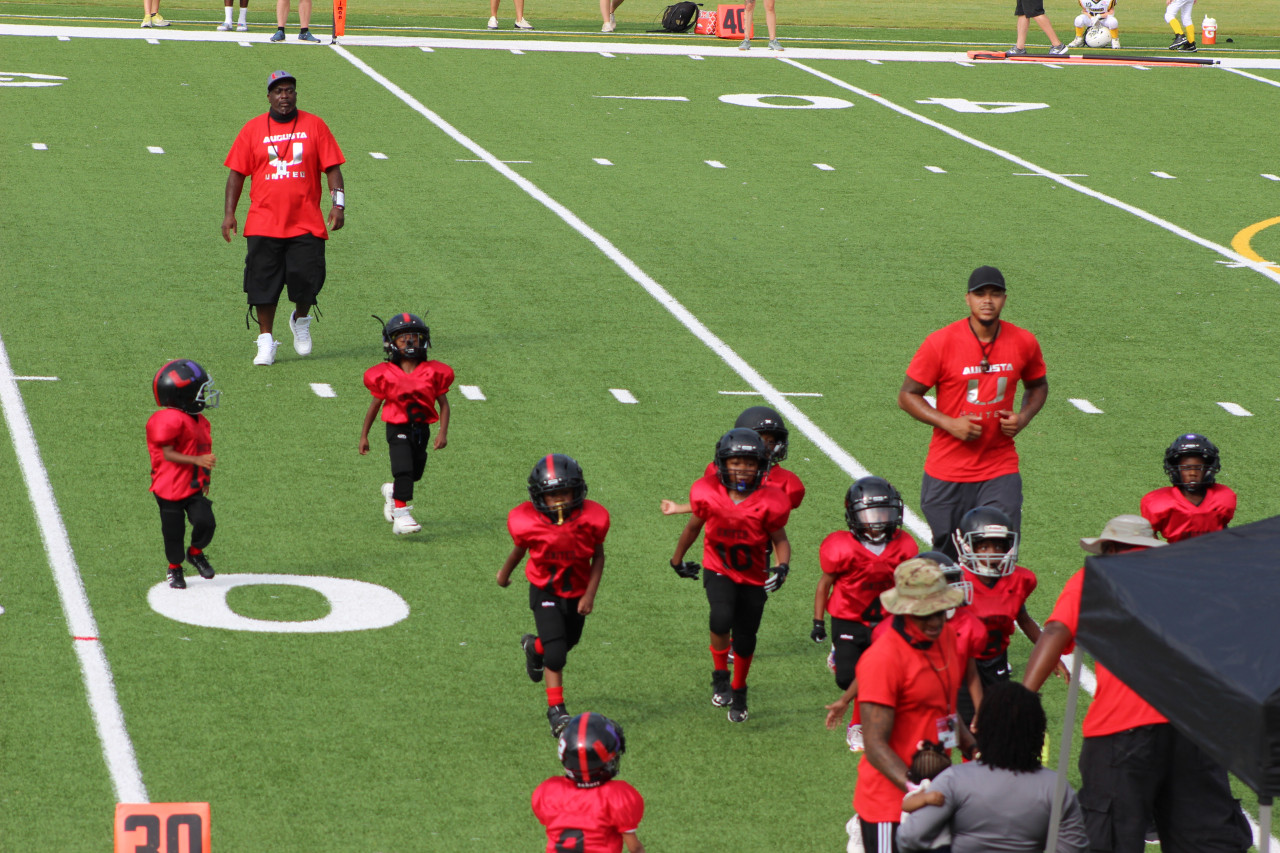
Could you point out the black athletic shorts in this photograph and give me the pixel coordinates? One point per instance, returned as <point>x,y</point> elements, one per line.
<point>1029,8</point>
<point>273,262</point>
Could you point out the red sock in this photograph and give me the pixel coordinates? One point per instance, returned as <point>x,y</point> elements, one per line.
<point>537,646</point>
<point>741,666</point>
<point>194,551</point>
<point>856,719</point>
<point>401,504</point>
<point>719,659</point>
<point>174,566</point>
<point>555,696</point>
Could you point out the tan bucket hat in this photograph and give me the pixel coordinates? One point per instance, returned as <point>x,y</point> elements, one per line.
<point>919,589</point>
<point>1125,530</point>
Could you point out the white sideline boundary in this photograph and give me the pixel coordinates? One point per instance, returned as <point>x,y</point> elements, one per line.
<point>108,718</point>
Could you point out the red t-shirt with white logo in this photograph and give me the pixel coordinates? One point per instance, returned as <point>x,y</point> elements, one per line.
<point>998,606</point>
<point>190,435</point>
<point>590,820</point>
<point>860,575</point>
<point>559,554</point>
<point>284,161</point>
<point>1175,517</point>
<point>950,359</point>
<point>409,398</point>
<point>736,538</point>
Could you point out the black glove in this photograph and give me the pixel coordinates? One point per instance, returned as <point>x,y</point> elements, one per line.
<point>819,632</point>
<point>777,577</point>
<point>686,569</point>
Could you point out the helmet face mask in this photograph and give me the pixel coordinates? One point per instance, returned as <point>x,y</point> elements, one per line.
<point>591,748</point>
<point>873,510</point>
<point>741,443</point>
<point>403,324</point>
<point>1176,461</point>
<point>184,384</point>
<point>766,422</point>
<point>980,530</point>
<point>553,475</point>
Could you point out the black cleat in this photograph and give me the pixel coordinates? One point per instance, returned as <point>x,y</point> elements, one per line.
<point>532,660</point>
<point>721,694</point>
<point>557,718</point>
<point>201,563</point>
<point>1187,47</point>
<point>1178,42</point>
<point>176,580</point>
<point>738,710</point>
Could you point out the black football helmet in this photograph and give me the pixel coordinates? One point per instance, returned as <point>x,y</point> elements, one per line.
<point>184,384</point>
<point>952,572</point>
<point>873,509</point>
<point>764,420</point>
<point>741,442</point>
<point>1192,444</point>
<point>591,746</point>
<point>398,325</point>
<point>555,472</point>
<point>978,525</point>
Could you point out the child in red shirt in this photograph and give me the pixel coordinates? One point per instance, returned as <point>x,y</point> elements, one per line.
<point>408,388</point>
<point>1194,504</point>
<point>180,443</point>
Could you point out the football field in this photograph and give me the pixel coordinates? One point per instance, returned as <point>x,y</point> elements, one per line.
<point>618,246</point>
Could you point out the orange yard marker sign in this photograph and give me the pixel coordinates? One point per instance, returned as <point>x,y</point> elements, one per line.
<point>729,24</point>
<point>162,828</point>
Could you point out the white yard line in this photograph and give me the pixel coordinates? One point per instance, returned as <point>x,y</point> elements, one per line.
<point>108,718</point>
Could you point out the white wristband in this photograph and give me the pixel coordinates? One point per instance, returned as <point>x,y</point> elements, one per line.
<point>339,198</point>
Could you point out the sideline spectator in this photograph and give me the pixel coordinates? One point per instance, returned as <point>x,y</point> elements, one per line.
<point>907,684</point>
<point>243,26</point>
<point>284,151</point>
<point>975,364</point>
<point>1001,802</point>
<point>304,21</point>
<point>521,23</point>
<point>1134,765</point>
<point>607,8</point>
<point>770,19</point>
<point>1028,11</point>
<point>151,14</point>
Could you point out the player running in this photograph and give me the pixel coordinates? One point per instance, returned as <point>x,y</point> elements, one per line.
<point>1195,504</point>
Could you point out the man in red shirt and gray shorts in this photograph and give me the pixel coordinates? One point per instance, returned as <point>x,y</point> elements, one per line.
<point>975,364</point>
<point>284,151</point>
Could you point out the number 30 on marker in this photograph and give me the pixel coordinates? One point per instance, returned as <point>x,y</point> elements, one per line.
<point>162,828</point>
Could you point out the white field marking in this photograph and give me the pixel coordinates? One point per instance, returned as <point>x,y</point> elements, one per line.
<point>1165,175</point>
<point>426,49</point>
<point>460,160</point>
<point>602,161</point>
<point>108,718</point>
<point>644,97</point>
<point>874,62</point>
<point>155,149</point>
<point>937,170</point>
<point>1036,175</point>
<point>715,164</point>
<point>824,167</point>
<point>39,146</point>
<point>36,378</point>
<point>965,64</point>
<point>1051,65</point>
<point>1236,409</point>
<point>64,38</point>
<point>517,52</point>
<point>244,44</point>
<point>606,54</point>
<point>622,395</point>
<point>1250,76</point>
<point>1140,67</point>
<point>323,389</point>
<point>792,413</point>
<point>153,41</point>
<point>471,392</point>
<point>1270,177</point>
<point>1262,269</point>
<point>757,393</point>
<point>377,155</point>
<point>694,56</point>
<point>1085,406</point>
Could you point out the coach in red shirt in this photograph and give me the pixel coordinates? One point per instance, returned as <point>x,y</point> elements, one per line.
<point>284,151</point>
<point>976,364</point>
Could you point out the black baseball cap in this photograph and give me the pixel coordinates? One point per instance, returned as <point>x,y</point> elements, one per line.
<point>981,277</point>
<point>279,77</point>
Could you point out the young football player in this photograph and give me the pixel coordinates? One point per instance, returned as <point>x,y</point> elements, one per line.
<point>988,549</point>
<point>1093,13</point>
<point>1194,504</point>
<point>409,389</point>
<point>768,424</point>
<point>588,810</point>
<point>563,534</point>
<point>1177,14</point>
<point>180,443</point>
<point>744,520</point>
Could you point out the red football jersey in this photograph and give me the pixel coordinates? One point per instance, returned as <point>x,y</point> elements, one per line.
<point>1176,518</point>
<point>971,634</point>
<point>779,478</point>
<point>559,554</point>
<point>1115,707</point>
<point>950,360</point>
<point>998,606</point>
<point>587,820</point>
<point>737,536</point>
<point>409,397</point>
<point>284,161</point>
<point>190,435</point>
<point>920,686</point>
<point>861,575</point>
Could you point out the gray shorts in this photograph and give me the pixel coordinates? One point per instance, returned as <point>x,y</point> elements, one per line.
<point>944,503</point>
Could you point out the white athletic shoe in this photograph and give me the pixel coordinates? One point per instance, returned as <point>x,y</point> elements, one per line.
<point>853,737</point>
<point>1078,41</point>
<point>402,522</point>
<point>609,26</point>
<point>388,502</point>
<point>493,23</point>
<point>854,828</point>
<point>522,24</point>
<point>301,328</point>
<point>242,28</point>
<point>266,350</point>
<point>1115,44</point>
<point>224,27</point>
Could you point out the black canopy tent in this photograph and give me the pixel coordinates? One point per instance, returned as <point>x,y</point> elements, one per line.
<point>1194,628</point>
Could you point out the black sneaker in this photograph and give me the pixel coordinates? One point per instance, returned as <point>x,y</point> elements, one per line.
<point>557,718</point>
<point>1187,47</point>
<point>1178,42</point>
<point>201,562</point>
<point>176,580</point>
<point>738,710</point>
<point>721,693</point>
<point>532,660</point>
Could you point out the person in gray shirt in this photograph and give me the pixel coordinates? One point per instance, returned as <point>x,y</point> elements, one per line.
<point>1001,801</point>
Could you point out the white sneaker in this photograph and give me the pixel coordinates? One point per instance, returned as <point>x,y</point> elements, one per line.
<point>609,26</point>
<point>242,28</point>
<point>1078,41</point>
<point>1115,44</point>
<point>831,658</point>
<point>266,350</point>
<point>224,27</point>
<point>402,522</point>
<point>853,737</point>
<point>854,828</point>
<point>522,24</point>
<point>301,328</point>
<point>493,23</point>
<point>388,502</point>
